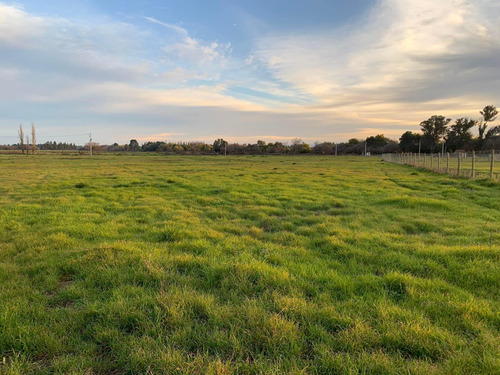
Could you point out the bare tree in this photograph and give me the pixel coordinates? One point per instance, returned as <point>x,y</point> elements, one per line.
<point>33,139</point>
<point>296,145</point>
<point>21,138</point>
<point>27,144</point>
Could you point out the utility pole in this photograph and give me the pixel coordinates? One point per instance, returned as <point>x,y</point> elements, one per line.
<point>90,144</point>
<point>442,149</point>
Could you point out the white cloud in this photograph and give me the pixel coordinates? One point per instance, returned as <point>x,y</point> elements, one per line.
<point>50,59</point>
<point>16,27</point>
<point>191,49</point>
<point>195,51</point>
<point>409,54</point>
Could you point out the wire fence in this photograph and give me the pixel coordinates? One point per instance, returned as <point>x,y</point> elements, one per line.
<point>468,164</point>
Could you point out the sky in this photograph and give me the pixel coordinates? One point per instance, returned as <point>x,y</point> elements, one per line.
<point>197,70</point>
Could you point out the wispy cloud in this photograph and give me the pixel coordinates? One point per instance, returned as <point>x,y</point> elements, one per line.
<point>177,29</point>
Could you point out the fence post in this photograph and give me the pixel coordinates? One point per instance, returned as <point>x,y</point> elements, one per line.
<point>432,157</point>
<point>425,161</point>
<point>459,160</point>
<point>439,163</point>
<point>473,175</point>
<point>447,163</point>
<point>492,164</point>
<point>415,159</point>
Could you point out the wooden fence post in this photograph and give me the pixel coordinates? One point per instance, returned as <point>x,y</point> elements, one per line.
<point>432,157</point>
<point>473,174</point>
<point>425,161</point>
<point>447,163</point>
<point>492,164</point>
<point>459,160</point>
<point>439,163</point>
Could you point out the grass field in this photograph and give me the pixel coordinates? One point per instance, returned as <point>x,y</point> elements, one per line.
<point>482,164</point>
<point>251,265</point>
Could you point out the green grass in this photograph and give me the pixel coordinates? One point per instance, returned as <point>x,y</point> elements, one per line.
<point>136,264</point>
<point>482,164</point>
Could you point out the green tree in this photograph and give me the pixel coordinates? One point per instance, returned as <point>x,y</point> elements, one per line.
<point>489,114</point>
<point>305,148</point>
<point>377,141</point>
<point>261,146</point>
<point>353,141</point>
<point>299,147</point>
<point>459,135</point>
<point>410,142</point>
<point>434,129</point>
<point>492,132</point>
<point>133,145</point>
<point>219,145</point>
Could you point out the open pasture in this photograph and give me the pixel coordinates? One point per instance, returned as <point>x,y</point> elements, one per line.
<point>136,264</point>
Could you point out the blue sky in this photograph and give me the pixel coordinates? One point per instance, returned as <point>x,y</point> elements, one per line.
<point>243,70</point>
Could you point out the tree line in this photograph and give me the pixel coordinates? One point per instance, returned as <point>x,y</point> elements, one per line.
<point>375,144</point>
<point>436,134</point>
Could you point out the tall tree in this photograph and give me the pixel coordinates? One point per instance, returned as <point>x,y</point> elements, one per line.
<point>33,139</point>
<point>489,114</point>
<point>133,145</point>
<point>459,135</point>
<point>434,129</point>
<point>21,137</point>
<point>27,144</point>
<point>219,145</point>
<point>261,146</point>
<point>492,132</point>
<point>379,140</point>
<point>409,142</point>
